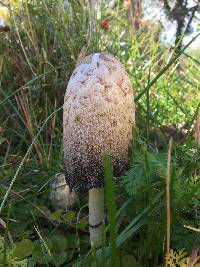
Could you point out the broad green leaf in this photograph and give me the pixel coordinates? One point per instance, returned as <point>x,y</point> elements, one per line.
<point>41,257</point>
<point>73,241</point>
<point>45,244</point>
<point>23,249</point>
<point>31,262</point>
<point>82,224</point>
<point>59,258</point>
<point>59,242</point>
<point>68,216</point>
<point>56,215</point>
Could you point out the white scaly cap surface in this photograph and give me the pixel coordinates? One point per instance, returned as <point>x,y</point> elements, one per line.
<point>99,115</point>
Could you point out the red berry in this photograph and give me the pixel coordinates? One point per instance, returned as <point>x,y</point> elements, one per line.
<point>105,24</point>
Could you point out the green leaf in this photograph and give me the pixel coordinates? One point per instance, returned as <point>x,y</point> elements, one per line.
<point>45,244</point>
<point>56,215</point>
<point>117,263</point>
<point>59,242</point>
<point>84,241</point>
<point>82,224</point>
<point>37,244</point>
<point>41,257</point>
<point>68,216</point>
<point>129,261</point>
<point>70,255</point>
<point>23,249</point>
<point>31,262</point>
<point>73,241</point>
<point>48,242</point>
<point>19,229</point>
<point>59,258</point>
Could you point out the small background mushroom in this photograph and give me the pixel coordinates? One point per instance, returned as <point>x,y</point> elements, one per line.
<point>61,197</point>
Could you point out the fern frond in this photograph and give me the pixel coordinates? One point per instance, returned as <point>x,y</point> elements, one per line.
<point>135,179</point>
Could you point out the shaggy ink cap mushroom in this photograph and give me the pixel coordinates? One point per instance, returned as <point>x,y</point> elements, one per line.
<point>98,116</point>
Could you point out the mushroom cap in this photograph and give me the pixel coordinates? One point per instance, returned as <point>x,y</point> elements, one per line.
<point>98,116</point>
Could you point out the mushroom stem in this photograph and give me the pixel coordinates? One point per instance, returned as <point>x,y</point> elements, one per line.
<point>96,214</point>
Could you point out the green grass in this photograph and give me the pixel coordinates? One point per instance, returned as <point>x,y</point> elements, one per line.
<point>37,57</point>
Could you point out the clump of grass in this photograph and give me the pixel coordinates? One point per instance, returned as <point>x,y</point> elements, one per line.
<point>38,55</point>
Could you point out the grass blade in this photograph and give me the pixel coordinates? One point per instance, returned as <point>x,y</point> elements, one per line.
<point>111,206</point>
<point>166,68</point>
<point>24,158</point>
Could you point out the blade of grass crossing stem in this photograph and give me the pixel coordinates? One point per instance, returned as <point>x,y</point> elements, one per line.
<point>134,226</point>
<point>111,207</point>
<point>103,245</point>
<point>24,158</point>
<point>123,207</point>
<point>137,222</point>
<point>166,68</point>
<point>128,232</point>
<point>95,262</point>
<point>168,200</point>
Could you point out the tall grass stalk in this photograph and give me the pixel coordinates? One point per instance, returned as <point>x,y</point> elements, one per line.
<point>168,200</point>
<point>148,109</point>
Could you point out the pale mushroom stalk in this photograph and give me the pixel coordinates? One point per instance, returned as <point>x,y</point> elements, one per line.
<point>96,214</point>
<point>98,116</point>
